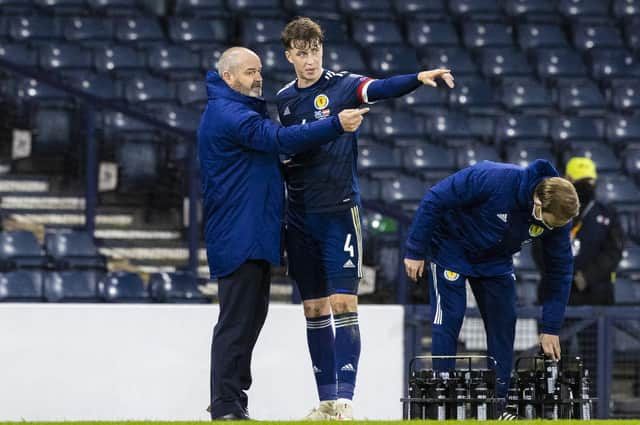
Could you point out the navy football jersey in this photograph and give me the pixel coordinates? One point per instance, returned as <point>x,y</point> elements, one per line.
<point>324,178</point>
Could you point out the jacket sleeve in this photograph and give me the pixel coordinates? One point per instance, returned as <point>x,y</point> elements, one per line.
<point>557,278</point>
<point>462,189</point>
<point>598,270</point>
<point>262,134</point>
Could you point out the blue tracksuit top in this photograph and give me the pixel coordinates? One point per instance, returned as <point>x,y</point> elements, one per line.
<point>242,184</point>
<point>473,221</point>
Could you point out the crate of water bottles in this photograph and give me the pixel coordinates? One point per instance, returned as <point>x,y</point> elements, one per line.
<point>459,394</point>
<point>542,388</point>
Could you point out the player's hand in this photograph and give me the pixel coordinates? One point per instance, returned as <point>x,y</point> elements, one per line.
<point>350,119</point>
<point>580,281</point>
<point>414,268</point>
<point>429,77</point>
<point>550,346</point>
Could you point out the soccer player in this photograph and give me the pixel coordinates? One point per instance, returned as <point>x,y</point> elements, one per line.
<point>468,226</point>
<point>324,239</point>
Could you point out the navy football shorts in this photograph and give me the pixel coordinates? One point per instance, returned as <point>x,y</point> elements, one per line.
<point>325,252</point>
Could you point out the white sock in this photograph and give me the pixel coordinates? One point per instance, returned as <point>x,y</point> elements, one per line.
<point>345,401</point>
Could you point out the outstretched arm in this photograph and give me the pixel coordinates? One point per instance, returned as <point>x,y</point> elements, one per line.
<point>371,90</point>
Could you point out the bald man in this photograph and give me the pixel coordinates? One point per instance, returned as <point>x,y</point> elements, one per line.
<point>243,198</point>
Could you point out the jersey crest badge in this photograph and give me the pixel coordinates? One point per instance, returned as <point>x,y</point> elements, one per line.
<point>451,276</point>
<point>535,230</point>
<point>321,101</point>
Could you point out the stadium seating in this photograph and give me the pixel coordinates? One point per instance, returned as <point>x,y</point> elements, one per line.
<point>176,288</point>
<point>123,287</point>
<point>73,249</point>
<point>21,285</point>
<point>72,286</point>
<point>567,129</point>
<point>20,249</point>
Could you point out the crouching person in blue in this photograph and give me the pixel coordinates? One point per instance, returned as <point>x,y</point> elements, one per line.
<point>468,227</point>
<point>243,199</point>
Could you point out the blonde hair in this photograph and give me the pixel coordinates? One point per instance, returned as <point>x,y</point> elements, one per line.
<point>558,197</point>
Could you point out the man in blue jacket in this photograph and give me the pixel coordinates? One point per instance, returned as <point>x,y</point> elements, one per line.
<point>468,226</point>
<point>243,197</point>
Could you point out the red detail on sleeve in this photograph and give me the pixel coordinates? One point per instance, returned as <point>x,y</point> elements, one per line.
<point>363,83</point>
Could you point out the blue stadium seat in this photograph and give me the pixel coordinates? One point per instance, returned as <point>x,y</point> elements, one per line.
<point>191,93</point>
<point>629,265</point>
<point>139,165</point>
<point>457,59</point>
<point>584,9</point>
<point>538,35</point>
<point>147,89</point>
<point>53,129</point>
<point>376,159</point>
<point>30,89</point>
<point>483,126</point>
<point>596,36</point>
<point>618,190</point>
<point>72,286</point>
<point>370,32</point>
<point>139,31</point>
<point>403,189</point>
<point>626,291</point>
<point>450,128</point>
<point>567,129</point>
<point>121,287</point>
<point>256,30</point>
<point>632,35</point>
<point>559,63</point>
<point>200,8</point>
<point>580,97</point>
<point>369,188</point>
<point>209,56</point>
<point>73,249</point>
<point>115,7</point>
<point>385,61</point>
<point>423,159</point>
<point>274,63</point>
<point>631,157</point>
<point>502,62</point>
<point>88,30</point>
<point>621,129</point>
<point>16,7</point>
<point>424,9</point>
<point>625,96</point>
<point>397,124</point>
<point>523,154</point>
<point>21,285</point>
<point>118,60</point>
<point>20,249</point>
<point>174,62</point>
<point>198,32</point>
<point>526,96</point>
<point>600,153</point>
<point>525,128</point>
<point>607,65</point>
<point>475,9</point>
<point>61,56</point>
<point>423,100</point>
<point>335,30</point>
<point>99,85</point>
<point>530,10</point>
<point>467,156</point>
<point>262,8</point>
<point>176,287</point>
<point>626,9</point>
<point>367,8</point>
<point>116,123</point>
<point>62,7</point>
<point>431,33</point>
<point>312,8</point>
<point>177,116</point>
<point>33,28</point>
<point>474,96</point>
<point>18,53</point>
<point>486,34</point>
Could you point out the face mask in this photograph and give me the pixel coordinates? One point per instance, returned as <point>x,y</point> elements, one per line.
<point>586,191</point>
<point>539,218</point>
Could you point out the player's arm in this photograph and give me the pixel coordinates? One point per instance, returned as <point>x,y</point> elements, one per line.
<point>556,286</point>
<point>255,132</point>
<point>464,188</point>
<point>370,90</point>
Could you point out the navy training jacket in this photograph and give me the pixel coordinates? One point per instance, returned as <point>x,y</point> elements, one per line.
<point>242,184</point>
<point>473,221</point>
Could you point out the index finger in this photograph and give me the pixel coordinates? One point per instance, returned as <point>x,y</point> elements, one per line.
<point>362,111</point>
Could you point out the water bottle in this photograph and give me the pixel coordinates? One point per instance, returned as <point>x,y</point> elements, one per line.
<point>481,394</point>
<point>584,395</point>
<point>441,395</point>
<point>528,395</point>
<point>461,407</point>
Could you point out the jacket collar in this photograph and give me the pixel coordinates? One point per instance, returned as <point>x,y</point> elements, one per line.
<point>218,88</point>
<point>533,174</point>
